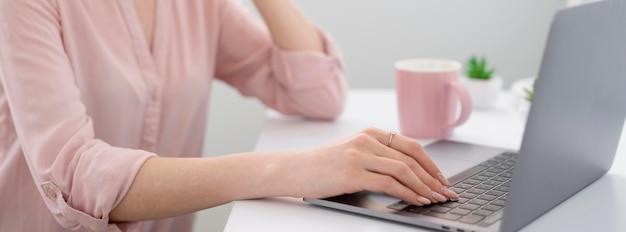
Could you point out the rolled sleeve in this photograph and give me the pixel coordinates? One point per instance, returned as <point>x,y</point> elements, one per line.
<point>306,83</point>
<point>106,176</point>
<point>313,81</point>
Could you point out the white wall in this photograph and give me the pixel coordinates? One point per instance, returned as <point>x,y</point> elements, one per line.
<point>375,33</point>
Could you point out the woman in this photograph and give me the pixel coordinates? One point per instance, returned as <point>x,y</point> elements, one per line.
<point>103,104</point>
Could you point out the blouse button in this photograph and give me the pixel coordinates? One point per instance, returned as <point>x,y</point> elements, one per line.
<point>50,193</point>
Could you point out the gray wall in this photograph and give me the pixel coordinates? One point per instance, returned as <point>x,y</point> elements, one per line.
<point>375,33</point>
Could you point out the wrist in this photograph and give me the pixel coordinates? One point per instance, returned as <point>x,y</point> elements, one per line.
<point>266,175</point>
<point>281,174</point>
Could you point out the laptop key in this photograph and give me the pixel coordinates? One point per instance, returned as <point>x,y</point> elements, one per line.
<point>487,197</point>
<point>440,209</point>
<point>476,191</point>
<point>499,202</point>
<point>480,178</point>
<point>468,195</point>
<point>400,205</point>
<point>451,204</point>
<point>502,188</point>
<point>416,209</point>
<point>500,178</point>
<point>504,166</point>
<point>495,193</point>
<point>496,170</point>
<point>483,212</point>
<point>457,190</point>
<point>484,186</point>
<point>491,219</point>
<point>471,182</point>
<point>460,212</point>
<point>493,182</point>
<point>507,174</point>
<point>469,206</point>
<point>447,216</point>
<point>492,207</point>
<point>489,174</point>
<point>462,200</point>
<point>471,219</point>
<point>488,163</point>
<point>509,162</point>
<point>463,186</point>
<point>478,202</point>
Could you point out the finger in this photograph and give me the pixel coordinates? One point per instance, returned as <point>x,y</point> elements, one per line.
<point>436,180</point>
<point>386,184</point>
<point>412,148</point>
<point>417,169</point>
<point>403,174</point>
<point>371,142</point>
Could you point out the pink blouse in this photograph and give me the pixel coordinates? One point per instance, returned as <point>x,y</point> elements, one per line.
<point>84,101</point>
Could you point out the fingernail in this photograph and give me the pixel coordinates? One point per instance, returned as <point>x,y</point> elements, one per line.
<point>438,197</point>
<point>443,179</point>
<point>423,200</point>
<point>449,193</point>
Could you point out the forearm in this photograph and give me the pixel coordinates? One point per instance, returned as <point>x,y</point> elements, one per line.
<point>290,29</point>
<point>166,187</point>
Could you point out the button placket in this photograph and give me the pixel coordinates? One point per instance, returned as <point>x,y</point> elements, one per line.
<point>148,70</point>
<point>152,118</point>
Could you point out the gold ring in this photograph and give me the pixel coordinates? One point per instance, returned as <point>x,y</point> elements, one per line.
<point>391,134</point>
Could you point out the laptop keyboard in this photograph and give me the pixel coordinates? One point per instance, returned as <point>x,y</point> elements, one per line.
<point>482,196</point>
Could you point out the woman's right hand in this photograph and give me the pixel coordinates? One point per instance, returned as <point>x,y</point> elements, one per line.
<point>366,162</point>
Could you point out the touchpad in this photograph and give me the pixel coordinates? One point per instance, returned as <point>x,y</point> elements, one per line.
<point>455,157</point>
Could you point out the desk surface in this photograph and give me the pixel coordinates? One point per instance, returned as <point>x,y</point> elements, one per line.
<point>598,207</point>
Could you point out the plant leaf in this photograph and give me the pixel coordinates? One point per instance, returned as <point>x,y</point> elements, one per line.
<point>477,68</point>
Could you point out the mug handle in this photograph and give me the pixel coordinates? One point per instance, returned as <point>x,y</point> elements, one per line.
<point>466,103</point>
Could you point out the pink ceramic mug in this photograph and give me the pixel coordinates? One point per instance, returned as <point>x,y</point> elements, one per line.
<point>428,95</point>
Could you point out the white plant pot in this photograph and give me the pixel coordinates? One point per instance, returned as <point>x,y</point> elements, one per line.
<point>523,107</point>
<point>519,88</point>
<point>484,92</point>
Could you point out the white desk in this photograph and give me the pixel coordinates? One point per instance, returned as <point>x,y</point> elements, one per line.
<point>599,207</point>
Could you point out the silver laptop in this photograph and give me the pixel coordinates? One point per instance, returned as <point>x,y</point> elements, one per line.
<point>574,123</point>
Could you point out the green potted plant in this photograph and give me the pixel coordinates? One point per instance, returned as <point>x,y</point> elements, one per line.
<point>530,92</point>
<point>482,81</point>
